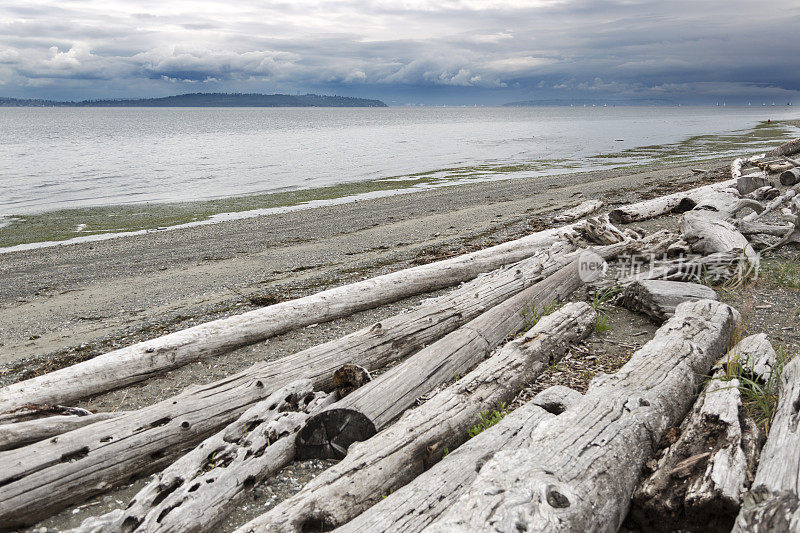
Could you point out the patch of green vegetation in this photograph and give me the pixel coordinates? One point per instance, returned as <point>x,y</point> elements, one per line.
<point>602,324</point>
<point>532,313</point>
<point>759,397</point>
<point>487,419</point>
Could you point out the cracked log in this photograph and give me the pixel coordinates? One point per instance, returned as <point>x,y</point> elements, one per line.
<point>142,360</point>
<point>773,504</point>
<point>41,478</point>
<point>658,299</point>
<point>773,205</point>
<point>673,203</point>
<point>98,457</point>
<point>698,482</point>
<point>413,507</point>
<point>404,450</point>
<point>790,177</point>
<point>579,473</point>
<point>373,406</point>
<point>22,433</point>
<point>199,489</point>
<point>579,211</point>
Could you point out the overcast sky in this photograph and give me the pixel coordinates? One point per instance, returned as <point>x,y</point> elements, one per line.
<point>426,51</point>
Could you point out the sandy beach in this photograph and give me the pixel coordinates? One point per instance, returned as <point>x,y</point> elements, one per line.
<point>65,303</point>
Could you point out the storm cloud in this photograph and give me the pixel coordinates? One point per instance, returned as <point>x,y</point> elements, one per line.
<point>455,51</point>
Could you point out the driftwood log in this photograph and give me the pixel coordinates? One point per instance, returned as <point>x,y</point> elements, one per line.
<point>108,453</point>
<point>698,482</point>
<point>420,438</point>
<point>22,433</point>
<point>764,194</point>
<point>658,299</point>
<point>411,508</point>
<point>774,204</point>
<point>579,473</point>
<point>142,360</point>
<point>373,406</point>
<point>708,235</point>
<point>786,149</point>
<point>199,489</point>
<point>673,203</point>
<point>43,477</point>
<point>790,177</point>
<point>579,211</point>
<point>773,503</point>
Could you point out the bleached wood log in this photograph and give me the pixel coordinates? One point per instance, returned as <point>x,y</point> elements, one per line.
<point>579,211</point>
<point>658,299</point>
<point>698,482</point>
<point>199,489</point>
<point>716,267</point>
<point>736,167</point>
<point>40,478</point>
<point>145,359</point>
<point>747,227</point>
<point>673,203</point>
<point>22,433</point>
<point>579,473</point>
<point>773,505</point>
<point>750,182</point>
<point>372,407</point>
<point>708,234</point>
<point>764,194</point>
<point>401,452</point>
<point>411,508</point>
<point>147,439</point>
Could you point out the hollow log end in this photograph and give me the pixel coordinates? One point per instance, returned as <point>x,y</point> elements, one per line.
<point>328,435</point>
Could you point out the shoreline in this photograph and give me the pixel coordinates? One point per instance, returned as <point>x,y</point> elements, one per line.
<point>67,303</point>
<point>66,226</point>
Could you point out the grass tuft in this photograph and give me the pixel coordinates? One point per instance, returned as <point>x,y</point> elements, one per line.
<point>487,419</point>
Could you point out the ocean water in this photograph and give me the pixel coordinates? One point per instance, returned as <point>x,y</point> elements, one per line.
<point>63,158</point>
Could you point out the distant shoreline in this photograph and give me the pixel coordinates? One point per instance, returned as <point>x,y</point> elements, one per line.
<point>206,100</point>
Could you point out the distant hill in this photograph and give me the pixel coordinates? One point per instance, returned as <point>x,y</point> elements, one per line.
<point>208,100</point>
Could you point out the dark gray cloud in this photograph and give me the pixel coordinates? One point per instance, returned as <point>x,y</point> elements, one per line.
<point>430,50</point>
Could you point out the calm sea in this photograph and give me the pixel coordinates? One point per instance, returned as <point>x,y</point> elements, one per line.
<point>55,158</point>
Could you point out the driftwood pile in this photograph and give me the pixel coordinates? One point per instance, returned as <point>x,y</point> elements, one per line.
<point>562,461</point>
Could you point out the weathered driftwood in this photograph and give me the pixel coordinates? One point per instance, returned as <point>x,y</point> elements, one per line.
<point>579,211</point>
<point>747,227</point>
<point>22,433</point>
<point>579,472</point>
<point>40,478</point>
<point>658,299</point>
<point>773,504</point>
<point>790,177</point>
<point>143,360</point>
<point>33,411</point>
<point>727,204</point>
<point>773,205</point>
<point>718,267</point>
<point>708,235</point>
<point>786,149</point>
<point>764,194</point>
<point>145,440</point>
<point>401,452</point>
<point>750,182</point>
<point>672,203</point>
<point>373,406</point>
<point>601,231</point>
<point>200,488</point>
<point>736,167</point>
<point>698,482</point>
<point>792,235</point>
<point>411,508</point>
